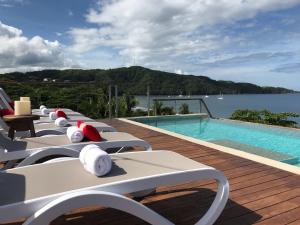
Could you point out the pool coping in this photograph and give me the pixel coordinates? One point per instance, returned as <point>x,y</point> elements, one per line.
<point>232,151</point>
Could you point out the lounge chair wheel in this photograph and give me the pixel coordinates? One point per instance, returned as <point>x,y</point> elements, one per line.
<point>143,193</point>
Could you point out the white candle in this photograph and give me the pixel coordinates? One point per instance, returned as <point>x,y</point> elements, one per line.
<point>22,108</point>
<point>24,99</point>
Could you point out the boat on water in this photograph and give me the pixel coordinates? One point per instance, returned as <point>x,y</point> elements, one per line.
<point>220,96</point>
<point>206,96</point>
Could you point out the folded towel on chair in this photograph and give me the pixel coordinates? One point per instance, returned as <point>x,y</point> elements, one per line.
<point>52,116</point>
<point>61,122</point>
<point>95,160</point>
<point>74,134</point>
<point>45,111</point>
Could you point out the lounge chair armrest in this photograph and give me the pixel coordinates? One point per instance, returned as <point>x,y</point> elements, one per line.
<point>36,156</point>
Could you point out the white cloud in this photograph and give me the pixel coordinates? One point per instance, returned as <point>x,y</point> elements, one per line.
<point>18,52</point>
<point>180,71</point>
<point>10,3</point>
<point>153,30</point>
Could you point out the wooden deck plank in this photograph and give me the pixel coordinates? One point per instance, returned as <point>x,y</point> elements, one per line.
<point>259,194</point>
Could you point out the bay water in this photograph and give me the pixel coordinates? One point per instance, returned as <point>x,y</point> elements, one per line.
<point>225,107</point>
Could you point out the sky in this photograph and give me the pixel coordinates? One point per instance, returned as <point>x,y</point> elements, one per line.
<point>256,41</point>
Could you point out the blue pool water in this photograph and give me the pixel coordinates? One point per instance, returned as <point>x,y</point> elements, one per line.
<point>273,139</point>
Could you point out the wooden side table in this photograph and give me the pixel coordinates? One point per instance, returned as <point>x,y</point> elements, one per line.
<point>20,123</point>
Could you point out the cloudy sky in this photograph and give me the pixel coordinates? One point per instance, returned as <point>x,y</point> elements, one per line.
<point>254,41</point>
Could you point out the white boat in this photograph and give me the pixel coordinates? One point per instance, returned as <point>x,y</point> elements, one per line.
<point>221,96</point>
<point>206,96</point>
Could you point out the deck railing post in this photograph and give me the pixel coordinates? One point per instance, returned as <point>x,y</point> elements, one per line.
<point>116,100</point>
<point>148,99</point>
<point>109,101</point>
<point>200,105</point>
<point>206,108</point>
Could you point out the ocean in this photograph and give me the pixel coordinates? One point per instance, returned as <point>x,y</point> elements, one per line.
<point>224,108</point>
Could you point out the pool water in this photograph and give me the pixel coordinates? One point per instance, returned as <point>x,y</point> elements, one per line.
<point>267,141</point>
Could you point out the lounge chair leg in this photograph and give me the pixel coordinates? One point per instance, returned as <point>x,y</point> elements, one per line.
<point>71,201</point>
<point>219,202</point>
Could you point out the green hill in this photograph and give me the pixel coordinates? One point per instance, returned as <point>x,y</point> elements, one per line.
<point>134,80</point>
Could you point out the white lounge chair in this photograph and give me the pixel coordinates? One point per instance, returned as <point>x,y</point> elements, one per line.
<point>43,192</point>
<point>32,150</point>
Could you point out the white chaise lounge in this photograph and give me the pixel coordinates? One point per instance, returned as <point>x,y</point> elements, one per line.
<point>32,150</point>
<point>43,192</point>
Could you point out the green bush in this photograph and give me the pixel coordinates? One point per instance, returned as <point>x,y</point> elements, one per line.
<point>184,109</point>
<point>266,117</point>
<point>160,109</point>
<point>168,110</point>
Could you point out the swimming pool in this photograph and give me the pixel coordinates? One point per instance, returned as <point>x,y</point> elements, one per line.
<point>280,144</point>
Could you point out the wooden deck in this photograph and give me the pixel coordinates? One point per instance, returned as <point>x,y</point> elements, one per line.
<point>259,194</point>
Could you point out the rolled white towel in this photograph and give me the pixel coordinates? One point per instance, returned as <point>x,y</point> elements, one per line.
<point>84,150</point>
<point>61,122</point>
<point>45,111</point>
<point>52,116</point>
<point>74,134</point>
<point>95,160</point>
<point>42,106</point>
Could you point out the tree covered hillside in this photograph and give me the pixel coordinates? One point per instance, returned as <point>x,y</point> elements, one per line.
<point>134,80</point>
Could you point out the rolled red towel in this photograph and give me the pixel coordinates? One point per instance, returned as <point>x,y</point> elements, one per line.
<point>89,131</point>
<point>60,113</point>
<point>4,112</point>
